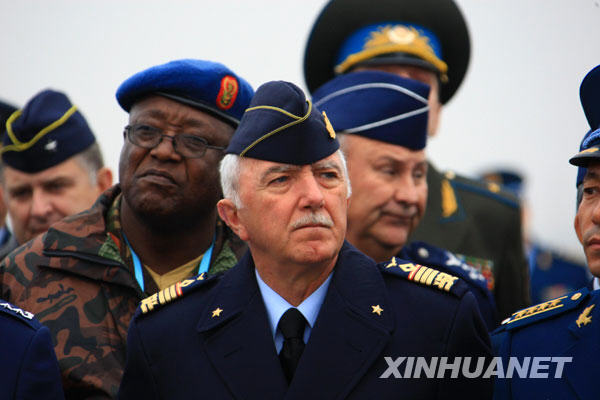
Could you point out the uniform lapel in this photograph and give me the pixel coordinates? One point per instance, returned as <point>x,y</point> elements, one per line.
<point>348,335</point>
<point>584,347</point>
<point>238,340</point>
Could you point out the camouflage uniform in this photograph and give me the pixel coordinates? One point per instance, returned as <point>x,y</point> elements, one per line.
<point>78,280</point>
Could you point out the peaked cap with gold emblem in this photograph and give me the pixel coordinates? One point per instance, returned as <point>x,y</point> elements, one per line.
<point>430,34</point>
<point>282,126</point>
<point>46,132</point>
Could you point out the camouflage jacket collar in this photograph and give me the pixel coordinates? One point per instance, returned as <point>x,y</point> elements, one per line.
<point>94,236</point>
<point>85,236</point>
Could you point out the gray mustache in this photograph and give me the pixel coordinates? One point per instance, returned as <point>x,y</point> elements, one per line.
<point>313,219</point>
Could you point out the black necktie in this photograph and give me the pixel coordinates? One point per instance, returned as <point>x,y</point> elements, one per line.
<point>291,324</point>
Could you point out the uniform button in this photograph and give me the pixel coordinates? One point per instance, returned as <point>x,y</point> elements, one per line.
<point>423,253</point>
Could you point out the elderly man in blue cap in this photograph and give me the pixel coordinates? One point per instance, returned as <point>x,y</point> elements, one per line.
<point>85,278</point>
<point>381,119</point>
<point>563,334</point>
<point>51,166</point>
<point>303,315</point>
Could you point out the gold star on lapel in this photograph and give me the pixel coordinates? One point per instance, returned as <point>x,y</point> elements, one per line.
<point>377,310</point>
<point>217,312</point>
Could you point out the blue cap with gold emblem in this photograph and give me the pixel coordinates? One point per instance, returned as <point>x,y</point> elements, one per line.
<point>430,34</point>
<point>377,105</point>
<point>589,150</point>
<point>47,131</point>
<point>282,126</point>
<point>206,85</point>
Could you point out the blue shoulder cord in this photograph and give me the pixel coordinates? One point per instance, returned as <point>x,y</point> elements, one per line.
<point>137,265</point>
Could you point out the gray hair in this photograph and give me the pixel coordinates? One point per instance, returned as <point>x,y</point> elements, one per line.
<point>230,169</point>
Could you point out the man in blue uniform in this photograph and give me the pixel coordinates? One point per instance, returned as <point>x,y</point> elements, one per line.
<point>568,326</point>
<point>428,40</point>
<point>28,366</point>
<point>303,314</point>
<point>382,122</point>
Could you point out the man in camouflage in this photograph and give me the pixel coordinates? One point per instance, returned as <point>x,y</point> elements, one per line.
<point>86,276</point>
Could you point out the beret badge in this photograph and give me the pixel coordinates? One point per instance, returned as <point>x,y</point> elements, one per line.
<point>227,93</point>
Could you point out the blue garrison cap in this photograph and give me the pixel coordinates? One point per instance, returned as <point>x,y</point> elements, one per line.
<point>377,105</point>
<point>47,131</point>
<point>282,126</point>
<point>206,85</point>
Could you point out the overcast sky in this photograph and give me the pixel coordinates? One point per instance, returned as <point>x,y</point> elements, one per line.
<point>518,106</point>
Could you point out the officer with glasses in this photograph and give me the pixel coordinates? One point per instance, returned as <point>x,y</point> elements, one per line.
<point>145,238</point>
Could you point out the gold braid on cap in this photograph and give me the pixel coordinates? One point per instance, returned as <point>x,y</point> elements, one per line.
<point>20,146</point>
<point>297,121</point>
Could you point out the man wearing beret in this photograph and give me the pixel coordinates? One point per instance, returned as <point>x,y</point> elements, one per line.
<point>382,122</point>
<point>85,278</point>
<point>565,330</point>
<point>51,166</point>
<point>428,40</point>
<point>28,366</point>
<point>303,315</point>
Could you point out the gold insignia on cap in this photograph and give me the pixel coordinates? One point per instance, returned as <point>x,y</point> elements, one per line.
<point>377,310</point>
<point>391,39</point>
<point>329,126</point>
<point>217,312</point>
<point>493,187</point>
<point>576,296</point>
<point>590,150</point>
<point>585,318</point>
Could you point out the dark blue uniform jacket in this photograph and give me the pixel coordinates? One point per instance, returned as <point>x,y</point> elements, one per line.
<point>28,366</point>
<point>568,326</point>
<point>184,350</point>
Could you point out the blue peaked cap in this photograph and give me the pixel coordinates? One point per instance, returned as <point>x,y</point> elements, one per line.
<point>282,126</point>
<point>206,85</point>
<point>46,132</point>
<point>377,105</point>
<point>589,94</point>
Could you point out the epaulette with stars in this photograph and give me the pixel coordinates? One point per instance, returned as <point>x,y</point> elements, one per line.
<point>545,310</point>
<point>175,291</point>
<point>425,276</point>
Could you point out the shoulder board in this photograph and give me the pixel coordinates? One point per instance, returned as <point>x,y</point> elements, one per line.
<point>425,276</point>
<point>424,253</point>
<point>20,314</point>
<point>487,189</point>
<point>545,310</point>
<point>175,291</point>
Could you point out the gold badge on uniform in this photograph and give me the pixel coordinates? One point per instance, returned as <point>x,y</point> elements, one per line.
<point>585,318</point>
<point>377,310</point>
<point>217,312</point>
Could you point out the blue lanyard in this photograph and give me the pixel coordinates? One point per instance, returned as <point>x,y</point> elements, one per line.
<point>137,265</point>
